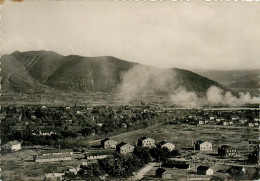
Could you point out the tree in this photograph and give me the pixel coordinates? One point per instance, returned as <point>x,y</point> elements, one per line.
<point>143,154</point>
<point>160,154</point>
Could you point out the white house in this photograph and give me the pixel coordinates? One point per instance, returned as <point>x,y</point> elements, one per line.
<point>211,118</point>
<point>146,142</point>
<point>203,145</point>
<point>251,124</point>
<point>225,123</point>
<point>167,145</point>
<point>12,146</point>
<point>204,170</point>
<point>201,122</point>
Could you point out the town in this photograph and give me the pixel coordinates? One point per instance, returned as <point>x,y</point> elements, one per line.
<point>146,142</point>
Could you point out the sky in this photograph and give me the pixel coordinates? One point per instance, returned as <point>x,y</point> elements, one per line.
<point>189,35</point>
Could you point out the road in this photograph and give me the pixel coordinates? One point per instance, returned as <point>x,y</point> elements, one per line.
<point>140,174</point>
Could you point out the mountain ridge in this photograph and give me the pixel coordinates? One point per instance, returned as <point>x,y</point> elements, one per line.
<point>36,70</point>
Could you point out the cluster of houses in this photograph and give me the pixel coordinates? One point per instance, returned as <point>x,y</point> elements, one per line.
<point>124,148</point>
<point>227,122</point>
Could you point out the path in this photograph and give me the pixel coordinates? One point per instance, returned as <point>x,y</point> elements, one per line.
<point>143,171</point>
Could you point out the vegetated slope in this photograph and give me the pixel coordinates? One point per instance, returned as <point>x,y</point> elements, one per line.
<point>194,82</point>
<point>28,71</point>
<point>241,80</point>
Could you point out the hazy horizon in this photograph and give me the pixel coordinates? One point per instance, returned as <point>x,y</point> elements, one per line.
<point>186,35</point>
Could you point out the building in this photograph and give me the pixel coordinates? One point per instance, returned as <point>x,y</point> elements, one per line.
<point>162,173</point>
<point>108,143</point>
<point>204,170</point>
<point>243,121</point>
<point>96,155</point>
<point>146,142</point>
<point>164,144</point>
<point>251,124</point>
<point>201,122</point>
<point>53,176</point>
<point>211,118</point>
<point>124,148</point>
<point>12,146</point>
<point>203,145</point>
<point>227,151</point>
<point>74,170</point>
<point>226,123</point>
<point>54,157</point>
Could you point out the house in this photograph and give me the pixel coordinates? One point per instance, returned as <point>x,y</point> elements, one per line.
<point>54,157</point>
<point>227,151</point>
<point>253,157</point>
<point>225,123</point>
<point>251,124</point>
<point>96,155</point>
<point>12,146</point>
<point>74,170</point>
<point>79,112</point>
<point>146,142</point>
<point>211,118</point>
<point>242,121</point>
<point>108,143</point>
<point>53,176</point>
<point>234,118</point>
<point>49,131</point>
<point>219,119</point>
<point>100,124</point>
<point>124,148</point>
<point>201,122</point>
<point>164,144</point>
<point>162,173</point>
<point>204,170</point>
<point>203,145</point>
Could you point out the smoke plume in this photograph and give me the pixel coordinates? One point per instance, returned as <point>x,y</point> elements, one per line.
<point>145,80</point>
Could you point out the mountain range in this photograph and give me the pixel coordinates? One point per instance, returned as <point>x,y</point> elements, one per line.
<point>41,71</point>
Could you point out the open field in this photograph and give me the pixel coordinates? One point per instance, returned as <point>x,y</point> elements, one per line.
<point>182,135</point>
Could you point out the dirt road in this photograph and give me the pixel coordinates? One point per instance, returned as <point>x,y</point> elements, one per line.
<point>140,174</point>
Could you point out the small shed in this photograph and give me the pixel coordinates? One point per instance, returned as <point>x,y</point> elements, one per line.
<point>162,173</point>
<point>204,170</point>
<point>12,146</point>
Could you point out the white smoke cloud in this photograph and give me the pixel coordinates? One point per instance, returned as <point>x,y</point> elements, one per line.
<point>144,80</point>
<point>185,98</point>
<point>147,80</point>
<point>216,95</point>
